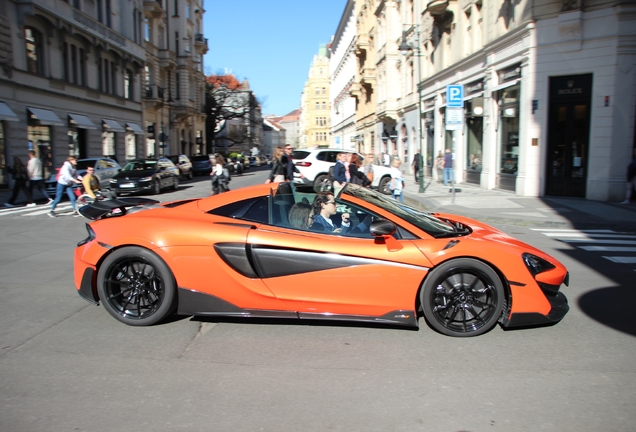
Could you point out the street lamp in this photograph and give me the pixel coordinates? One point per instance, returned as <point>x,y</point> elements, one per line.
<point>406,48</point>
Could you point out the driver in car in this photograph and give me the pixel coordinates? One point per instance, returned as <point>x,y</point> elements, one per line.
<point>324,208</point>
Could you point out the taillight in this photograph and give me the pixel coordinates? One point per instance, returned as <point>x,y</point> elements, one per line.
<point>303,164</point>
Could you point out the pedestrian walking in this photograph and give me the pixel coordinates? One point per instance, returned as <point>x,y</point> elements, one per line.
<point>416,166</point>
<point>220,176</point>
<point>439,166</point>
<point>448,167</point>
<point>66,178</point>
<point>20,178</point>
<point>397,181</point>
<point>36,178</point>
<point>631,181</point>
<point>290,167</point>
<point>278,167</point>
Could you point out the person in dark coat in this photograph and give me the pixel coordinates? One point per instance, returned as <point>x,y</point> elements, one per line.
<point>631,181</point>
<point>20,180</point>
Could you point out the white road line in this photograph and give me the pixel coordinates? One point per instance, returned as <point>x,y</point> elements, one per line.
<point>572,230</point>
<point>608,248</point>
<point>616,242</point>
<point>621,260</point>
<point>590,235</point>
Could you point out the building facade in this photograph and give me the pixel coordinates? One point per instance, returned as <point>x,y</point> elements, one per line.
<point>70,80</point>
<point>174,82</point>
<point>315,117</point>
<point>342,69</point>
<point>290,122</point>
<point>549,90</point>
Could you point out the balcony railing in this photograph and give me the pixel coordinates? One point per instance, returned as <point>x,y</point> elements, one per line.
<point>154,92</point>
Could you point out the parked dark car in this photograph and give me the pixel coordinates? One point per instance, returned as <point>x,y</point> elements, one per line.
<point>201,165</point>
<point>183,163</point>
<point>146,175</point>
<point>105,169</point>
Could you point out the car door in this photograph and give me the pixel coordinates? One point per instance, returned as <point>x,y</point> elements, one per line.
<point>318,273</point>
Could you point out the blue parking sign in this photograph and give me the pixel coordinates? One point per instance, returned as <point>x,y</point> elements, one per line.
<point>455,96</point>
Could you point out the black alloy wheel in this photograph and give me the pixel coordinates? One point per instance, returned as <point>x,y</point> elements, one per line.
<point>462,298</point>
<point>175,183</point>
<point>383,186</point>
<point>136,287</point>
<point>321,183</point>
<point>156,187</point>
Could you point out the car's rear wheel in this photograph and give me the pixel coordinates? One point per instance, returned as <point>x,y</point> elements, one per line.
<point>136,287</point>
<point>175,184</point>
<point>156,187</point>
<point>383,186</point>
<point>190,175</point>
<point>322,183</point>
<point>462,297</point>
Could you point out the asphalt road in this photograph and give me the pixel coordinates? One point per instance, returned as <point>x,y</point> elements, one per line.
<point>66,365</point>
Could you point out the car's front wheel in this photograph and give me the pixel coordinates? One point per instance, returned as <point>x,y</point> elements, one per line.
<point>462,297</point>
<point>175,184</point>
<point>136,287</point>
<point>156,187</point>
<point>322,183</point>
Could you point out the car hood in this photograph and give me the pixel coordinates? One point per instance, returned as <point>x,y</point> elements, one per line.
<point>135,174</point>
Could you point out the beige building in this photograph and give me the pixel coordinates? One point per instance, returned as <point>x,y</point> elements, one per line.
<point>70,80</point>
<point>364,87</point>
<point>174,83</point>
<point>314,119</point>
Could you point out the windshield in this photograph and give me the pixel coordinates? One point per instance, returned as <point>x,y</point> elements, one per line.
<point>82,164</point>
<point>140,166</point>
<point>423,220</point>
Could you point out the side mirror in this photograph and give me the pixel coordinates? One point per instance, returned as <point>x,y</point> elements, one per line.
<point>382,228</point>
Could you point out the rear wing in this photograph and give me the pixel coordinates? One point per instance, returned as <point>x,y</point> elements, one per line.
<point>115,207</point>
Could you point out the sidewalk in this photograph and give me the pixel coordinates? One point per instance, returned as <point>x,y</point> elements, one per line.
<point>504,207</point>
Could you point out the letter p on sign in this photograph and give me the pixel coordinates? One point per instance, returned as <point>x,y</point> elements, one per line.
<point>455,96</point>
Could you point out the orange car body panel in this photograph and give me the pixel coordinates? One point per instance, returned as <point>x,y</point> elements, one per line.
<point>389,280</point>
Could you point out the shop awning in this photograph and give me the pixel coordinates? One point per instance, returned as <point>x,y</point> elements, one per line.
<point>113,125</point>
<point>45,117</point>
<point>81,121</point>
<point>505,85</point>
<point>135,128</point>
<point>473,96</point>
<point>6,113</point>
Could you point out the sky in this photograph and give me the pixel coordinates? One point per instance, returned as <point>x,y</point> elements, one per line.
<point>269,43</point>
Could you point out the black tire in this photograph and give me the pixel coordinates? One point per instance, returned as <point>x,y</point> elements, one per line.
<point>322,183</point>
<point>190,175</point>
<point>462,298</point>
<point>175,184</point>
<point>156,187</point>
<point>383,186</point>
<point>136,287</point>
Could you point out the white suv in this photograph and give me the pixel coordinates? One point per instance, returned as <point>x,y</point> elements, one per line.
<point>314,164</point>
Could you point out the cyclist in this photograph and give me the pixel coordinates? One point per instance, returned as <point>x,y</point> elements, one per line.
<point>90,182</point>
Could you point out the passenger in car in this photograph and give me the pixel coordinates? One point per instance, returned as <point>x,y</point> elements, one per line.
<point>301,216</point>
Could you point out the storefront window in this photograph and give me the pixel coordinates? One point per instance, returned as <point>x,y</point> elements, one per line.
<point>474,143</point>
<point>131,146</point>
<point>3,159</point>
<point>73,144</point>
<point>39,140</point>
<point>108,144</point>
<point>509,130</point>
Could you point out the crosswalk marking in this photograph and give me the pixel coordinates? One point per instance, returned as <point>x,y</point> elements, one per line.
<point>35,211</point>
<point>597,241</point>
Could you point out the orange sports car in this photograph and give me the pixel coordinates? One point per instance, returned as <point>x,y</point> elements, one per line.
<point>271,251</point>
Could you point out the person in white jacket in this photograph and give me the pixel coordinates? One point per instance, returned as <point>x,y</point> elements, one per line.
<point>65,181</point>
<point>34,168</point>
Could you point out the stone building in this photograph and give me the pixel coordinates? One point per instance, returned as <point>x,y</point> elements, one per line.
<point>70,80</point>
<point>314,119</point>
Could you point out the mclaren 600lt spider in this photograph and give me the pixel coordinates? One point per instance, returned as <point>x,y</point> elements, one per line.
<point>245,254</point>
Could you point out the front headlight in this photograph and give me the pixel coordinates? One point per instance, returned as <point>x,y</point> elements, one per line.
<point>113,180</point>
<point>535,264</point>
<point>146,179</point>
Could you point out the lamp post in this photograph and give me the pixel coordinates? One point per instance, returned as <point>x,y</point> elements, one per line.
<point>405,48</point>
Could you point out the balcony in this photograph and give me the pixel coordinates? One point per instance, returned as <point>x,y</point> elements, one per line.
<point>154,7</point>
<point>362,44</point>
<point>437,7</point>
<point>367,75</point>
<point>154,95</point>
<point>167,59</point>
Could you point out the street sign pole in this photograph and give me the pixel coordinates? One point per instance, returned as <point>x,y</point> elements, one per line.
<point>454,121</point>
